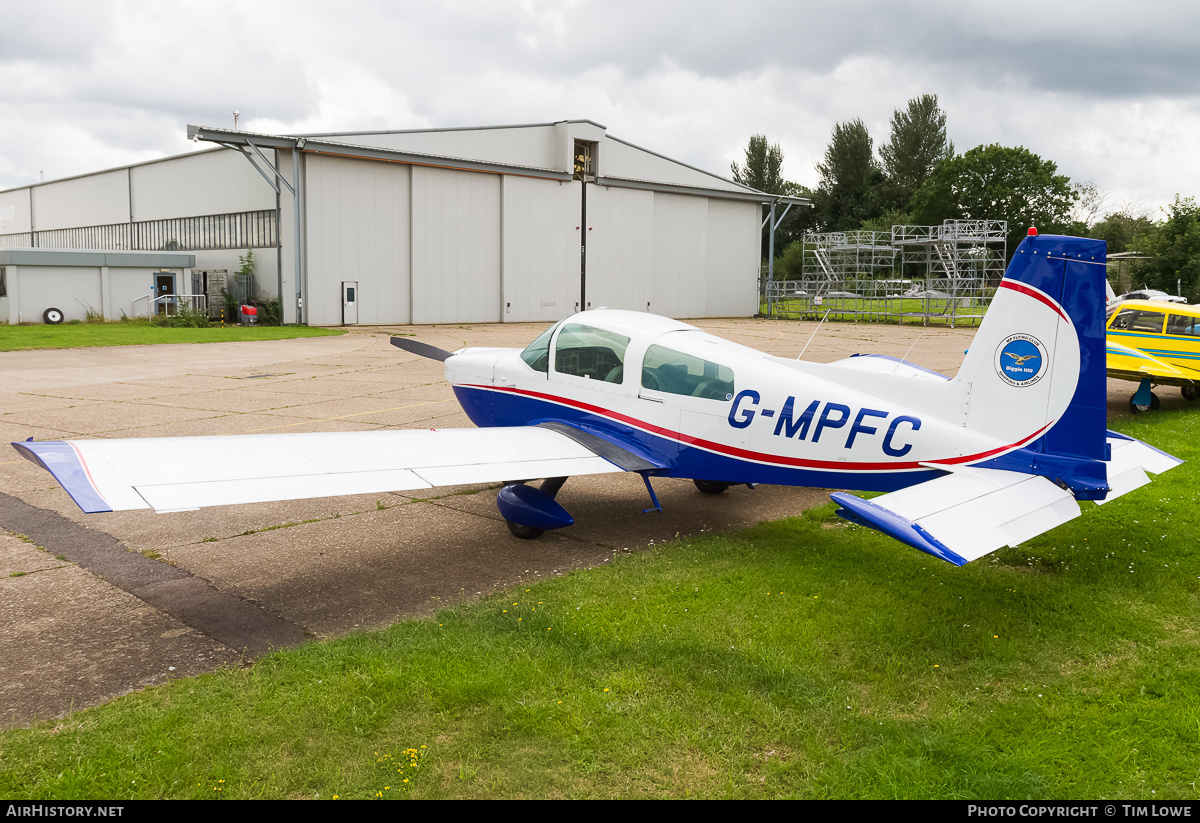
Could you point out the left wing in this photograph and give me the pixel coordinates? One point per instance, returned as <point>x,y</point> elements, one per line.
<point>183,473</point>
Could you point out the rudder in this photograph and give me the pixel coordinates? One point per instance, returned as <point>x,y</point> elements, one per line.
<point>1036,369</point>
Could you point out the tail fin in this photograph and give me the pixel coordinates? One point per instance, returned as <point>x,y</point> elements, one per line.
<point>1036,368</point>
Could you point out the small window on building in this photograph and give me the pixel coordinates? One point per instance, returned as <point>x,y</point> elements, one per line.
<point>585,161</point>
<point>585,351</point>
<point>3,283</point>
<point>673,372</point>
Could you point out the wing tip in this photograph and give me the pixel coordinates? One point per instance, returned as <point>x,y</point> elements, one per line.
<point>65,464</point>
<point>873,516</point>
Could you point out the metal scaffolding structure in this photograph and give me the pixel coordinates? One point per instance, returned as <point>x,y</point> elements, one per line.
<point>931,274</point>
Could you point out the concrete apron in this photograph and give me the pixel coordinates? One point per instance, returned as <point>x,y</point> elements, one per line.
<point>95,606</point>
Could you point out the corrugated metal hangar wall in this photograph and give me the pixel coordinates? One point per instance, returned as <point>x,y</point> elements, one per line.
<point>441,226</point>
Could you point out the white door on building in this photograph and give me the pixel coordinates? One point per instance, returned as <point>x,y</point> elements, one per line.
<point>349,302</point>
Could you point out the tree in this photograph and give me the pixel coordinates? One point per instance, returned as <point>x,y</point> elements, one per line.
<point>763,169</point>
<point>1174,248</point>
<point>849,158</point>
<point>1089,201</point>
<point>1121,230</point>
<point>997,183</point>
<point>853,188</point>
<point>918,143</point>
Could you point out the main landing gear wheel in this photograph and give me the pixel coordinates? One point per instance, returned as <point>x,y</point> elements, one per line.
<point>710,486</point>
<point>524,532</point>
<point>1190,392</point>
<point>53,316</point>
<point>1138,409</point>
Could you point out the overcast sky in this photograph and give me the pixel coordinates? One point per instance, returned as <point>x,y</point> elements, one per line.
<point>1108,91</point>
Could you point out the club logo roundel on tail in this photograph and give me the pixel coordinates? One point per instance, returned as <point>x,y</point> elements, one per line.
<point>1021,360</point>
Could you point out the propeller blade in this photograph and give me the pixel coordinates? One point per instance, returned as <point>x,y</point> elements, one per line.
<point>421,349</point>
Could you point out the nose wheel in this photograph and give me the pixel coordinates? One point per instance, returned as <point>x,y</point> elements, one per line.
<point>1139,408</point>
<point>1143,399</point>
<point>524,532</point>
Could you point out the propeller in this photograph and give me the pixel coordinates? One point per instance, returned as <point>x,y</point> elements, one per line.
<point>421,349</point>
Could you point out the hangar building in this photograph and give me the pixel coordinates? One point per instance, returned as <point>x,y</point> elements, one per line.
<point>491,224</point>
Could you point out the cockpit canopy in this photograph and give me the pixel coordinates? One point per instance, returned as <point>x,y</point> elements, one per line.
<point>602,351</point>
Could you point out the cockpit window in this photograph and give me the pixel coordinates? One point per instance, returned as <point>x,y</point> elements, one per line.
<point>1182,324</point>
<point>1138,320</point>
<point>673,372</point>
<point>537,353</point>
<point>586,351</point>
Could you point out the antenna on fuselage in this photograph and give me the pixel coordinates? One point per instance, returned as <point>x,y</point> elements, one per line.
<point>907,353</point>
<point>814,334</point>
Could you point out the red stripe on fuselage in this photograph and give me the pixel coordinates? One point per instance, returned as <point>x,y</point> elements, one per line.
<point>759,457</point>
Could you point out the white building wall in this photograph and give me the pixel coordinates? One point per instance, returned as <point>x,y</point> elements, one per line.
<point>94,200</point>
<point>128,291</point>
<point>73,289</point>
<point>209,182</point>
<point>632,163</point>
<point>358,230</point>
<point>540,249</point>
<point>520,145</point>
<point>15,214</point>
<point>455,246</point>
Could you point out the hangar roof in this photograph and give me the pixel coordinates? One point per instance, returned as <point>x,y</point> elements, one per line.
<point>543,150</point>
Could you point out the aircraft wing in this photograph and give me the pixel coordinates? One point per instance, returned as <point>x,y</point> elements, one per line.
<point>1125,363</point>
<point>183,473</point>
<point>971,512</point>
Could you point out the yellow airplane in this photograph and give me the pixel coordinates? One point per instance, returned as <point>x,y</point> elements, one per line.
<point>1154,343</point>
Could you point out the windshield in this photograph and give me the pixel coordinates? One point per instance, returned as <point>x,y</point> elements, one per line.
<point>537,353</point>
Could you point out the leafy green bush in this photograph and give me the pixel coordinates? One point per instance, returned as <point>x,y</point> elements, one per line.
<point>185,316</point>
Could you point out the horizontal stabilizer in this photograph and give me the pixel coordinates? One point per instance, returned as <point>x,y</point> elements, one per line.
<point>1131,459</point>
<point>966,514</point>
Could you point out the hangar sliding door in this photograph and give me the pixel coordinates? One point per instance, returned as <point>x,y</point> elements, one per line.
<point>620,265</point>
<point>455,246</point>
<point>541,249</point>
<point>358,229</point>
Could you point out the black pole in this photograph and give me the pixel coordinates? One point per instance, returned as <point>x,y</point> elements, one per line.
<point>583,248</point>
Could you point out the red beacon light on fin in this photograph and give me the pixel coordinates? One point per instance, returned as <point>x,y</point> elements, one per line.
<point>1033,231</point>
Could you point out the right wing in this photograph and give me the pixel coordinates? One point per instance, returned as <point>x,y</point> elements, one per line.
<point>971,511</point>
<point>184,473</point>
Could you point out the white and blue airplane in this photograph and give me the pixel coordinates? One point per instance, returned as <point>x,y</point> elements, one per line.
<point>992,457</point>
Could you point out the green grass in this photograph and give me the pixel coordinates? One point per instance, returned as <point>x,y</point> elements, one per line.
<point>804,658</point>
<point>876,311</point>
<point>69,336</point>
